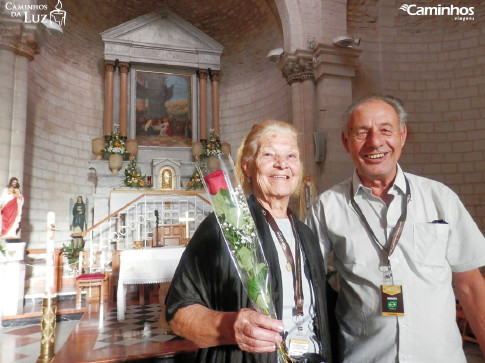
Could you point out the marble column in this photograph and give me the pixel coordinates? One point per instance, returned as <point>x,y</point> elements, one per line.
<point>202,74</point>
<point>297,69</point>
<point>215,101</point>
<point>7,82</point>
<point>18,46</point>
<point>334,69</point>
<point>124,68</point>
<point>109,68</point>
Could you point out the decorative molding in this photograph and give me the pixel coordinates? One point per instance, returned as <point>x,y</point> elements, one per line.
<point>19,39</point>
<point>161,37</point>
<point>322,60</point>
<point>336,61</point>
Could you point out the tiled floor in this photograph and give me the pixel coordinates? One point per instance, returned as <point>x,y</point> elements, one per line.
<point>99,337</point>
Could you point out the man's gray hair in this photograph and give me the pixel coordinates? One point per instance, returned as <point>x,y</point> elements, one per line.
<point>390,100</point>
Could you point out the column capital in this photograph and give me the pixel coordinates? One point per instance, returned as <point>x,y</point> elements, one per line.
<point>215,76</point>
<point>297,66</point>
<point>124,67</point>
<point>109,66</point>
<point>202,73</point>
<point>19,38</point>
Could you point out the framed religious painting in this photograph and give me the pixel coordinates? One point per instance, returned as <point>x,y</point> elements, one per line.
<point>163,112</point>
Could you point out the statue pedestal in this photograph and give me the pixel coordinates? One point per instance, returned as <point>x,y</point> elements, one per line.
<point>12,288</point>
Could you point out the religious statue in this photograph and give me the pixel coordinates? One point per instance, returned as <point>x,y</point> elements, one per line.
<point>11,202</point>
<point>78,216</point>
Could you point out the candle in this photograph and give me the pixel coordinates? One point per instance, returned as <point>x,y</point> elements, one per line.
<point>197,150</point>
<point>49,255</point>
<point>226,148</point>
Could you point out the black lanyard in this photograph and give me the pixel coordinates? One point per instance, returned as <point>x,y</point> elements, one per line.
<point>295,265</point>
<point>396,232</point>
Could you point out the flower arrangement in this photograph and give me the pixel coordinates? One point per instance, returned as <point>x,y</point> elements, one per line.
<point>3,247</point>
<point>239,231</point>
<point>115,143</point>
<point>72,251</point>
<point>212,146</point>
<point>195,182</point>
<point>133,177</point>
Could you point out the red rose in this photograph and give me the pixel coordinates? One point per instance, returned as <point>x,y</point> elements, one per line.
<point>215,181</point>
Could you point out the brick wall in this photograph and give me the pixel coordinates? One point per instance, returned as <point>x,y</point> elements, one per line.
<point>252,88</point>
<point>436,66</point>
<point>65,111</point>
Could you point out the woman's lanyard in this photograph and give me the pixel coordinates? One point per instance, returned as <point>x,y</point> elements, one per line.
<point>396,233</point>
<point>291,265</point>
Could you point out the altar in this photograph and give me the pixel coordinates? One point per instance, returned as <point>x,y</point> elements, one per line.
<point>162,98</point>
<point>146,266</point>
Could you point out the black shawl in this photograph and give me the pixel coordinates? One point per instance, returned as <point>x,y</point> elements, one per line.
<point>206,275</point>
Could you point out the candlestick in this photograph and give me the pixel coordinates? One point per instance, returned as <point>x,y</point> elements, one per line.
<point>48,329</point>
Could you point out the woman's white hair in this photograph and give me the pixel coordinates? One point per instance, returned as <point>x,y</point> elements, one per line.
<point>249,147</point>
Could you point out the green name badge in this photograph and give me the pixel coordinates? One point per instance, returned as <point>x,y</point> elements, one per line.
<point>392,300</point>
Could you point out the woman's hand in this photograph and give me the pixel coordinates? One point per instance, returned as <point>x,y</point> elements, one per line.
<point>256,332</point>
<point>251,331</point>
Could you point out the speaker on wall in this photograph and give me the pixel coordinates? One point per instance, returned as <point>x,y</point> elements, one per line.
<point>319,139</point>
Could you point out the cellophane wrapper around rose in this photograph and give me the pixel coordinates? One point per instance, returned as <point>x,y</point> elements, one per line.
<point>240,234</point>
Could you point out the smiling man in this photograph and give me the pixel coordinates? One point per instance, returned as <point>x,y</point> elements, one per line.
<point>399,241</point>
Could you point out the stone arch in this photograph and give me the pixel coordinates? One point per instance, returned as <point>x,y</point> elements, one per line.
<point>291,24</point>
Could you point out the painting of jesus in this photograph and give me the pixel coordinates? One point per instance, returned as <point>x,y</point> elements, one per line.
<point>163,104</point>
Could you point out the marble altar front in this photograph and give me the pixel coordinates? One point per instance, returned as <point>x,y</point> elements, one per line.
<point>12,271</point>
<point>150,160</point>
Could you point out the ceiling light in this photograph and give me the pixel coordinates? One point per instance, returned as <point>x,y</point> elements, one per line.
<point>346,41</point>
<point>52,28</point>
<point>274,55</point>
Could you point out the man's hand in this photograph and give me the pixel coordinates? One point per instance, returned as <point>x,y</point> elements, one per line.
<point>470,289</point>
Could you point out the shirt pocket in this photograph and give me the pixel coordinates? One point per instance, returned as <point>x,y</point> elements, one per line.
<point>430,243</point>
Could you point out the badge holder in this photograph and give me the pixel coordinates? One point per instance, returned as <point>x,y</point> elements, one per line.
<point>298,343</point>
<point>392,300</point>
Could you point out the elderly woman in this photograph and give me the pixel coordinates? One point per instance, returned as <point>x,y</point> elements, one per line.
<point>207,303</point>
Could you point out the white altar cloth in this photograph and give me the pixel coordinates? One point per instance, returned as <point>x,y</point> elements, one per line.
<point>146,266</point>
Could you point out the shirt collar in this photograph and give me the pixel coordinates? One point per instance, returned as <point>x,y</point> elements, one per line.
<point>399,183</point>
